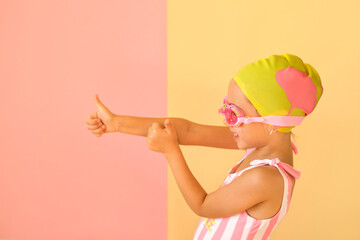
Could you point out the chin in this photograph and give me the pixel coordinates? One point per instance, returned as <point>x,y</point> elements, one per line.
<point>241,146</point>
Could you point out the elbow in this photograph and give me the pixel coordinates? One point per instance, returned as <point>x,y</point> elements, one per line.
<point>196,209</point>
<point>201,211</point>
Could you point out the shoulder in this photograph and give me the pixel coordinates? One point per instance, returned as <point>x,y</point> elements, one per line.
<point>263,172</point>
<point>251,187</point>
<point>266,179</point>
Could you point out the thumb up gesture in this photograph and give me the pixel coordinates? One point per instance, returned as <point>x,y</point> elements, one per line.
<point>102,121</point>
<point>162,138</point>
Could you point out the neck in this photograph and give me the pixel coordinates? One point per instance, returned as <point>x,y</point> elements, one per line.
<point>278,145</point>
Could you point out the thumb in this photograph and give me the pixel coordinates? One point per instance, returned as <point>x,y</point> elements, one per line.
<point>169,127</point>
<point>98,103</point>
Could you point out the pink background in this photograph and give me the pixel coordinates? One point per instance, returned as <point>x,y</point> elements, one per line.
<point>57,180</point>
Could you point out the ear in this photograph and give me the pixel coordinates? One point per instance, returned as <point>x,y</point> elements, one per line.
<point>270,129</point>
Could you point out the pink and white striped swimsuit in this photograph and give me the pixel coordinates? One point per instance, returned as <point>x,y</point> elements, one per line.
<point>242,226</point>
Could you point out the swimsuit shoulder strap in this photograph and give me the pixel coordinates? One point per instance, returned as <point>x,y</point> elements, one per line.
<point>276,162</point>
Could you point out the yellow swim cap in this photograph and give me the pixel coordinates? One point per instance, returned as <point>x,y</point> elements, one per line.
<point>281,85</point>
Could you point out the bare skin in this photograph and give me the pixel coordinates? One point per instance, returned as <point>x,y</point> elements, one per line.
<point>257,135</point>
<point>260,189</point>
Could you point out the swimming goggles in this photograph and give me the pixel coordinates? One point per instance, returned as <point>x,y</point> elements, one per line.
<point>234,116</point>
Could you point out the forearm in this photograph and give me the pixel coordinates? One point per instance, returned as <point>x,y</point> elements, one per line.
<point>140,125</point>
<point>190,188</point>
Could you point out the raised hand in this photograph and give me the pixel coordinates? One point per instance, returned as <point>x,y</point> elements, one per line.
<point>102,121</point>
<point>162,139</point>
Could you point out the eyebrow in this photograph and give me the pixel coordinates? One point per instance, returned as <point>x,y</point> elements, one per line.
<point>232,103</point>
<point>235,104</point>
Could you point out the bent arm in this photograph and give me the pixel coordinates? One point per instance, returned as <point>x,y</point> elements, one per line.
<point>189,133</point>
<point>247,190</point>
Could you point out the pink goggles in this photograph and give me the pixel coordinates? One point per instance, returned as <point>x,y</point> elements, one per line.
<point>234,116</point>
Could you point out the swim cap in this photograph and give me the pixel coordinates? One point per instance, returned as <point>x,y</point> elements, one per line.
<point>281,85</point>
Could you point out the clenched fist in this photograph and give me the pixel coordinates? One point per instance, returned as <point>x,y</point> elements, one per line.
<point>102,121</point>
<point>162,139</point>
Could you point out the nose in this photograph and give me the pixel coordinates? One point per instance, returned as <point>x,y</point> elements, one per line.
<point>225,122</point>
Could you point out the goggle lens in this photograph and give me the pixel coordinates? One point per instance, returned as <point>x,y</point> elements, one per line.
<point>230,116</point>
<point>231,112</point>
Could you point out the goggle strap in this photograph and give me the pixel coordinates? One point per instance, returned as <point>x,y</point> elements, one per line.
<point>285,121</point>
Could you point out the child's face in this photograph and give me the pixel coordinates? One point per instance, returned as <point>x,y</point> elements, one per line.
<point>253,134</point>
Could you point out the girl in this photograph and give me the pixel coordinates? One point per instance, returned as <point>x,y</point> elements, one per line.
<point>265,100</point>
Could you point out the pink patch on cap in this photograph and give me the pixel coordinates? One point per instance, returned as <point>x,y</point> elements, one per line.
<point>299,88</point>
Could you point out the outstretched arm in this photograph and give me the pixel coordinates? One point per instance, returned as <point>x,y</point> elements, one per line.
<point>189,133</point>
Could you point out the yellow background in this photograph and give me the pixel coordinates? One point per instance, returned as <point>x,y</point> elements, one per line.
<point>209,41</point>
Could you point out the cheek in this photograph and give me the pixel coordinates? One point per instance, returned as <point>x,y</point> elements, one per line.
<point>250,133</point>
<point>244,140</point>
<point>243,135</point>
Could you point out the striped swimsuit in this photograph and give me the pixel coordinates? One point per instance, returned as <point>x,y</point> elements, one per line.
<point>242,226</point>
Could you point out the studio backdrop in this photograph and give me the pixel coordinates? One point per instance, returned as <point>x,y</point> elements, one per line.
<point>158,58</point>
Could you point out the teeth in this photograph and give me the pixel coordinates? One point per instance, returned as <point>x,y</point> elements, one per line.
<point>236,135</point>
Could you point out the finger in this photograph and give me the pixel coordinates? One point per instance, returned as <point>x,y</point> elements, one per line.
<point>148,143</point>
<point>93,119</point>
<point>97,131</point>
<point>99,104</point>
<point>94,115</point>
<point>91,127</point>
<point>156,125</point>
<point>169,126</point>
<point>150,130</point>
<point>94,126</point>
<point>93,122</point>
